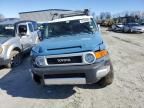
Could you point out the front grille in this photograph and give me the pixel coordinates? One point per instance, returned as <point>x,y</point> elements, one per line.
<point>70,75</point>
<point>65,60</point>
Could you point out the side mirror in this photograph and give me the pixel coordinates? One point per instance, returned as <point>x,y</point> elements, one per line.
<point>99,28</point>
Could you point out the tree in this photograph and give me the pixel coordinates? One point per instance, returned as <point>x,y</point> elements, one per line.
<point>102,15</point>
<point>93,14</point>
<point>1,17</point>
<point>126,14</point>
<point>105,15</point>
<point>142,14</point>
<point>108,15</point>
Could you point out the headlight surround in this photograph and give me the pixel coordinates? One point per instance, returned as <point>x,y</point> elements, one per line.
<point>90,58</point>
<point>1,49</point>
<point>40,61</point>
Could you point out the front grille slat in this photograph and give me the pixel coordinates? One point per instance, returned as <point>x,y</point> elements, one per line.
<point>64,60</point>
<point>70,75</point>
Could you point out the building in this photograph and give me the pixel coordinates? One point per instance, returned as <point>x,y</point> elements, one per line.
<point>6,21</point>
<point>47,15</point>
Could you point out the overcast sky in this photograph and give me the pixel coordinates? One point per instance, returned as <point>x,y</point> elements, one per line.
<point>11,8</point>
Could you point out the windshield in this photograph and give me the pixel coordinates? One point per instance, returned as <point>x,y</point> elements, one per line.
<point>6,30</point>
<point>69,28</point>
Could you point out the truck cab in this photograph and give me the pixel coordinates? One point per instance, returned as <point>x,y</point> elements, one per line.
<point>16,39</point>
<point>72,52</point>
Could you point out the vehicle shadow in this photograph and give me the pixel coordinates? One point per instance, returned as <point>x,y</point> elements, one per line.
<point>91,86</point>
<point>18,83</point>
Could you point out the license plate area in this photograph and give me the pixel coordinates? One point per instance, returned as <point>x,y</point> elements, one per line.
<point>64,60</point>
<point>65,79</point>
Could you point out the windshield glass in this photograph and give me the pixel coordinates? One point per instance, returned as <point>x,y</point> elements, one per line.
<point>6,30</point>
<point>69,28</point>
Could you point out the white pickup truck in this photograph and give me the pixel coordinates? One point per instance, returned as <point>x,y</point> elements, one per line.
<point>16,39</point>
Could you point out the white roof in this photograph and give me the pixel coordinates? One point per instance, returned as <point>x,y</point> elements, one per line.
<point>70,18</point>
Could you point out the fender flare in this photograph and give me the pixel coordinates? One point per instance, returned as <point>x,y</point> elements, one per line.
<point>11,49</point>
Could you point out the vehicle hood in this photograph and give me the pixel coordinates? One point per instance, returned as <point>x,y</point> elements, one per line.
<point>69,44</point>
<point>3,39</point>
<point>138,27</point>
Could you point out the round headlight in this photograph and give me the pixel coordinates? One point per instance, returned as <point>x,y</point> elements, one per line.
<point>40,61</point>
<point>89,58</point>
<point>1,49</point>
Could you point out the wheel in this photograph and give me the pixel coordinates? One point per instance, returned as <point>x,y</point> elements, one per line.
<point>36,78</point>
<point>140,32</point>
<point>125,30</point>
<point>107,80</point>
<point>15,59</point>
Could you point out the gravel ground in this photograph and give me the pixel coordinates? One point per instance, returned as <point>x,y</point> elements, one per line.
<point>17,90</point>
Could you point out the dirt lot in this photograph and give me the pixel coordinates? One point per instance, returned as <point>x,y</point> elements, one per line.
<point>17,90</point>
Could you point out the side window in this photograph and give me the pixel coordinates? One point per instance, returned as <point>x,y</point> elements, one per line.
<point>22,30</point>
<point>30,27</point>
<point>35,25</point>
<point>94,25</point>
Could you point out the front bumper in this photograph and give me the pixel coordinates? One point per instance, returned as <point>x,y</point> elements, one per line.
<point>77,74</point>
<point>138,30</point>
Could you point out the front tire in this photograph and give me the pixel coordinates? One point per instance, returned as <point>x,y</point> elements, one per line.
<point>15,59</point>
<point>108,79</point>
<point>131,31</point>
<point>37,78</point>
<point>125,31</point>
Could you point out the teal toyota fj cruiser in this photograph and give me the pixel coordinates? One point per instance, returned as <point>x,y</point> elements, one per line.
<point>72,52</point>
